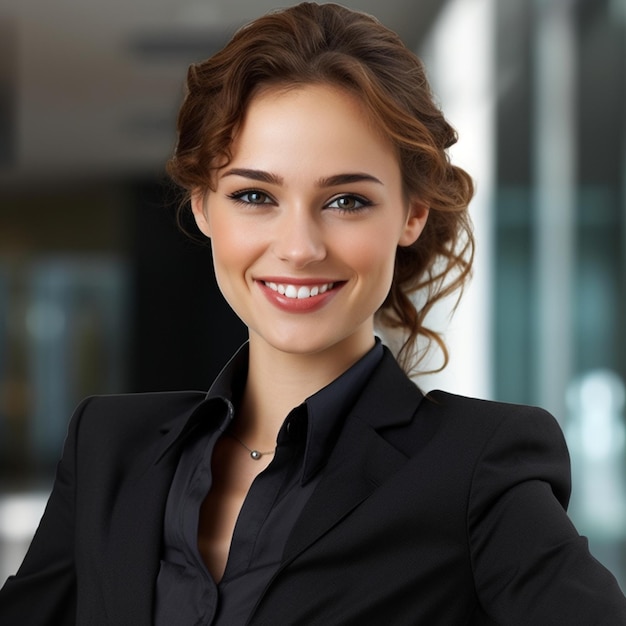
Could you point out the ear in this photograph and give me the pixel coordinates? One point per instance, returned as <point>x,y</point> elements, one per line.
<point>415,222</point>
<point>199,208</point>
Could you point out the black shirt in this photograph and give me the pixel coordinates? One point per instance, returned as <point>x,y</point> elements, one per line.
<point>186,594</point>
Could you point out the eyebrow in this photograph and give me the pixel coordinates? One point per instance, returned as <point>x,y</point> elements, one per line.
<point>345,179</point>
<point>260,175</point>
<point>329,181</point>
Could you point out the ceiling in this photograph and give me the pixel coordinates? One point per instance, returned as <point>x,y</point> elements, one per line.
<point>90,89</point>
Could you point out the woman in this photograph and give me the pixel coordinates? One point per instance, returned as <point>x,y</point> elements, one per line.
<point>314,484</point>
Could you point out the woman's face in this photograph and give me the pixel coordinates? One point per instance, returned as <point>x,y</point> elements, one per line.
<point>305,221</point>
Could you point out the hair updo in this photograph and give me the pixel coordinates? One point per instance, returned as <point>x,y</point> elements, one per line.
<point>330,44</point>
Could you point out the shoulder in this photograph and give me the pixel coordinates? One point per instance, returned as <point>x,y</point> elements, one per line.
<point>115,430</point>
<point>490,425</point>
<point>408,418</point>
<point>501,442</point>
<point>476,407</point>
<point>488,416</point>
<point>470,430</point>
<point>112,414</point>
<point>141,403</point>
<point>391,390</point>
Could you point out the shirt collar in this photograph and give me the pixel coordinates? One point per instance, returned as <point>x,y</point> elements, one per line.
<point>231,380</point>
<point>318,418</point>
<point>327,409</point>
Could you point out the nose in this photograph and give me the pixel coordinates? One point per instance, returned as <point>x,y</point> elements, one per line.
<point>299,239</point>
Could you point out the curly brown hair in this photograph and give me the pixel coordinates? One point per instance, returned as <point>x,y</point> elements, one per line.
<point>330,44</point>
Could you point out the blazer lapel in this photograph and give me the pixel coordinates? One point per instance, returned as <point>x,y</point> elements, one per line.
<point>345,484</point>
<point>362,459</point>
<point>136,526</point>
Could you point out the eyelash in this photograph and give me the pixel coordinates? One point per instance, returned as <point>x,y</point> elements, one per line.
<point>364,202</point>
<point>239,197</point>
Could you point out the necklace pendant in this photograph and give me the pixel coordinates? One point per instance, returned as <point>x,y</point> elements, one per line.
<point>255,454</point>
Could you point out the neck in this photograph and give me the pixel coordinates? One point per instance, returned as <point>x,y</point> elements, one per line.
<point>279,381</point>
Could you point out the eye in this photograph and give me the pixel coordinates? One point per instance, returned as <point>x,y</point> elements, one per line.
<point>251,196</point>
<point>349,203</point>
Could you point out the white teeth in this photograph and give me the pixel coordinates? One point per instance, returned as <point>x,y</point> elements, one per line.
<point>299,292</point>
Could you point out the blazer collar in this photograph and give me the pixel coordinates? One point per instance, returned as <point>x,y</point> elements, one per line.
<point>324,411</point>
<point>175,431</point>
<point>224,390</point>
<point>390,397</point>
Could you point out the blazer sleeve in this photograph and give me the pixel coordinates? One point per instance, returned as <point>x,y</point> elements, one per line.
<point>530,564</point>
<point>43,592</point>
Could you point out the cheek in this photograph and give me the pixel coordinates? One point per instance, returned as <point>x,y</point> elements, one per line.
<point>372,257</point>
<point>228,257</point>
<point>230,245</point>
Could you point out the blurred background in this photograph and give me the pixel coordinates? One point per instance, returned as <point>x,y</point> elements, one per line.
<point>101,293</point>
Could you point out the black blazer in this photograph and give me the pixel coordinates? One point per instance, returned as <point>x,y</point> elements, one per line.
<point>433,511</point>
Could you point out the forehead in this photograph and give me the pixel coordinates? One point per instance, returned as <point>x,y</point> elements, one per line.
<point>309,124</point>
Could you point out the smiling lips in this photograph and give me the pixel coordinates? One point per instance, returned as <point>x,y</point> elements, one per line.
<point>299,291</point>
<point>299,298</point>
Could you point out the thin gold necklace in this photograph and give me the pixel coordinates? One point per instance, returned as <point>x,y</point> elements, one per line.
<point>254,454</point>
